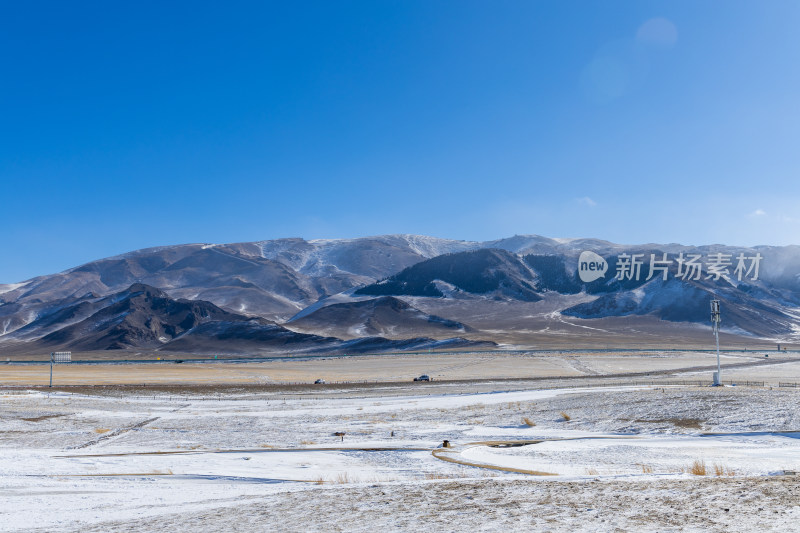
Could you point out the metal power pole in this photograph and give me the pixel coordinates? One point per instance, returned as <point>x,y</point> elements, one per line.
<point>715,321</point>
<point>58,357</point>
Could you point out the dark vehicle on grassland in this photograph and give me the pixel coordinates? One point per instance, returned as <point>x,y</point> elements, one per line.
<point>423,377</point>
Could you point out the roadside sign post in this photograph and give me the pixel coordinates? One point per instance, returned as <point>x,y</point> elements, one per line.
<point>715,321</point>
<point>58,357</point>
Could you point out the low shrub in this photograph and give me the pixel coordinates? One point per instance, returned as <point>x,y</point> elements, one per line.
<point>698,468</point>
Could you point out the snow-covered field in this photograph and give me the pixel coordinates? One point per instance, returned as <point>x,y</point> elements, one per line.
<point>623,458</point>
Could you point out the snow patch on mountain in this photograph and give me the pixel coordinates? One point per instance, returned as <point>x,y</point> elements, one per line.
<point>342,297</point>
<point>4,288</point>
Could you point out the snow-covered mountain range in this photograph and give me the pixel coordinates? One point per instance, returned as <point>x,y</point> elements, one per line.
<point>400,287</point>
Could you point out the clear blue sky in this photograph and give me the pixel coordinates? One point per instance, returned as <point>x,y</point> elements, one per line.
<point>128,125</point>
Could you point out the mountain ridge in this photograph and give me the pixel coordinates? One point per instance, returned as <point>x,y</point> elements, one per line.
<point>144,317</point>
<point>285,279</point>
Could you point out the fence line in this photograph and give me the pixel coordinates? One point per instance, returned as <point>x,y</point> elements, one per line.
<point>278,397</point>
<point>312,394</point>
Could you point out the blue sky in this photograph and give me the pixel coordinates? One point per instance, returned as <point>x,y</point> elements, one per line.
<point>151,123</point>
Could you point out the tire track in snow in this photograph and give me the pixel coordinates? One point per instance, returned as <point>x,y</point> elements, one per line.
<point>119,431</point>
<point>115,433</point>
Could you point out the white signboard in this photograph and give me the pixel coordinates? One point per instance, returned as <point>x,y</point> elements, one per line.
<point>61,357</point>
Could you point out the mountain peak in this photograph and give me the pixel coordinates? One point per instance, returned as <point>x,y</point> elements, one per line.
<point>142,289</point>
<point>487,272</point>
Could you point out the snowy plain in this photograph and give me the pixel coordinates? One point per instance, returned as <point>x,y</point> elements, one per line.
<point>610,458</point>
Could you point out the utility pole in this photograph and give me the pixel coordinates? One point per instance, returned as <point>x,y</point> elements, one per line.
<point>715,321</point>
<point>58,357</point>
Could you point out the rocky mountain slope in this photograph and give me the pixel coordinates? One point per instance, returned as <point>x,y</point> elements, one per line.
<point>386,316</point>
<point>145,318</point>
<point>489,272</point>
